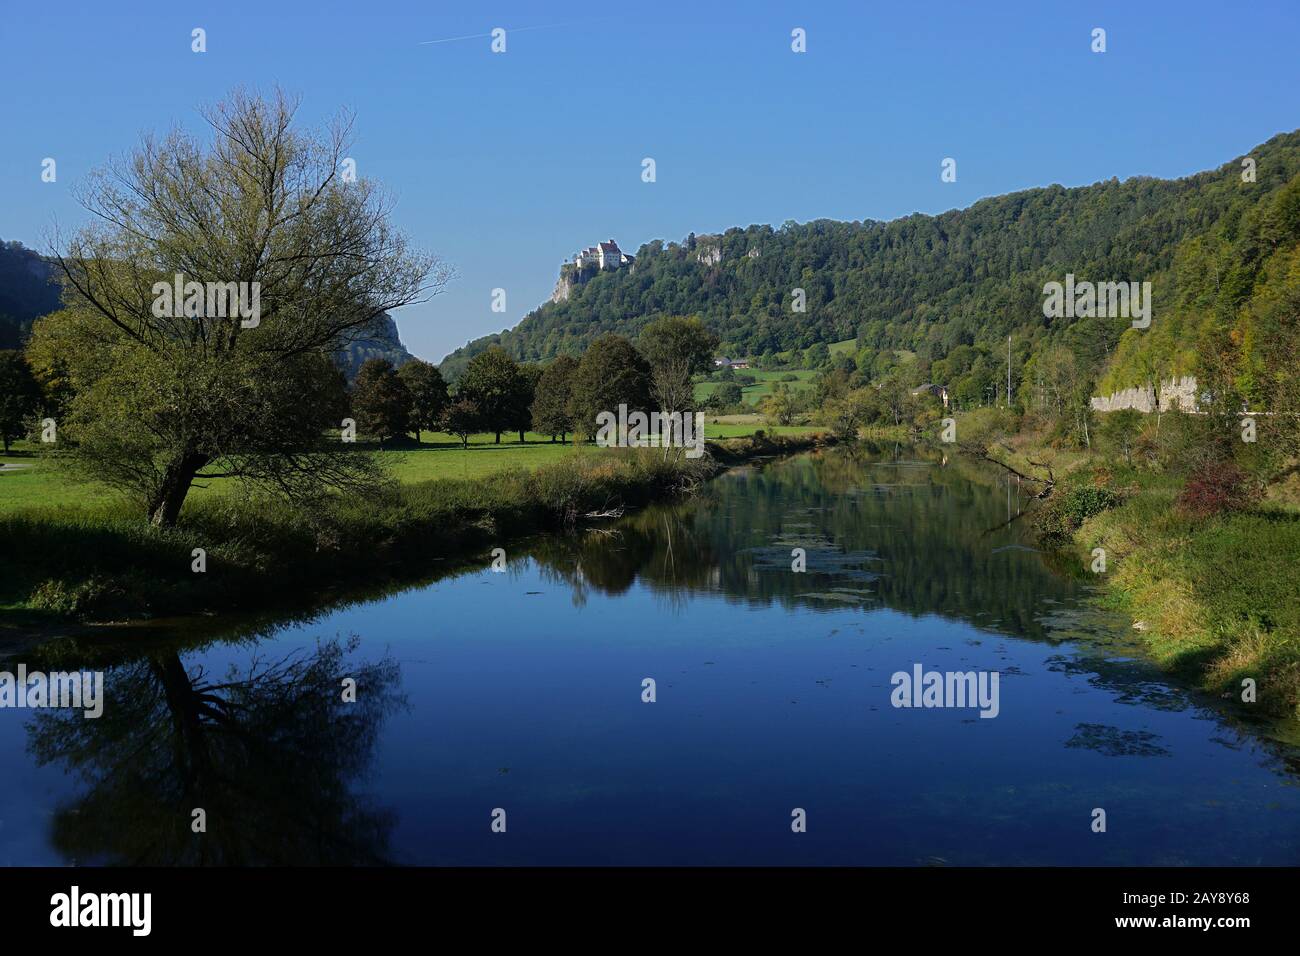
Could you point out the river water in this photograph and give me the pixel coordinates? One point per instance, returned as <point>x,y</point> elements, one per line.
<point>515,698</point>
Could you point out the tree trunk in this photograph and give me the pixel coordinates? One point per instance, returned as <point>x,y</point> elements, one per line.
<point>498,438</point>
<point>521,437</point>
<point>165,505</point>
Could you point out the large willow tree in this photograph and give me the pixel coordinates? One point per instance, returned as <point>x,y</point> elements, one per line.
<point>163,400</point>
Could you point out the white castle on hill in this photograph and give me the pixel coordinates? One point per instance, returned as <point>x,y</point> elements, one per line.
<point>604,255</point>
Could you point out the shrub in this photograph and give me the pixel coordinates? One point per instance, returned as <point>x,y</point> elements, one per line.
<point>1215,487</point>
<point>95,595</point>
<point>1080,504</point>
<point>1065,511</point>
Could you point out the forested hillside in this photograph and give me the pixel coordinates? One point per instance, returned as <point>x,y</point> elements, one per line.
<point>26,292</point>
<point>928,284</point>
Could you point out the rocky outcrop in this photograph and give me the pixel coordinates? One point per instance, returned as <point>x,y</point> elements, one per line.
<point>709,255</point>
<point>563,286</point>
<point>380,340</point>
<point>572,276</point>
<point>1176,394</point>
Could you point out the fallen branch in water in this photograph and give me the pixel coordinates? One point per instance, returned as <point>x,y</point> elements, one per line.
<point>1050,480</point>
<point>1048,483</point>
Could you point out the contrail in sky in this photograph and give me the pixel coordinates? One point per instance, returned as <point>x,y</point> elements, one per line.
<point>480,36</point>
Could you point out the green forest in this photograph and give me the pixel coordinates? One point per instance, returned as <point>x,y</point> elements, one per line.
<point>951,288</point>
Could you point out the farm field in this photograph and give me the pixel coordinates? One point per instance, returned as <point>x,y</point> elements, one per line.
<point>753,394</point>
<point>802,378</point>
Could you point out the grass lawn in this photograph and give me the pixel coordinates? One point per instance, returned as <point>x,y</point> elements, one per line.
<point>740,426</point>
<point>28,481</point>
<point>442,456</point>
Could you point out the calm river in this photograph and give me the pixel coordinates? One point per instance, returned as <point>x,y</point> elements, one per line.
<point>517,695</point>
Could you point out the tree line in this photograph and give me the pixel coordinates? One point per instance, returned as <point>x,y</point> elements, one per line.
<point>496,394</point>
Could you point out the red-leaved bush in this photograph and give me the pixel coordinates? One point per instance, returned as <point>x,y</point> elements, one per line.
<point>1216,487</point>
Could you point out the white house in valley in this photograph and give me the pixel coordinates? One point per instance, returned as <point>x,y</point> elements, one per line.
<point>930,388</point>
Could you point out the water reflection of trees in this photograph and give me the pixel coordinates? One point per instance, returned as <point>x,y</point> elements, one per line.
<point>907,527</point>
<point>270,752</point>
<point>906,531</point>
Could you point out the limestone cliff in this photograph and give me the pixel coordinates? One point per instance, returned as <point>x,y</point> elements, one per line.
<point>381,340</point>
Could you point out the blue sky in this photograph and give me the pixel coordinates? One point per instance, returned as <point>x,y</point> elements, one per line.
<point>507,164</point>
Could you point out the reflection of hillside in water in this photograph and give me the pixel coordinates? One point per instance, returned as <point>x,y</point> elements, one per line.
<point>907,532</point>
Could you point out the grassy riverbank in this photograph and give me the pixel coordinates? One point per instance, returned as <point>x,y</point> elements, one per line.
<point>29,480</point>
<point>101,562</point>
<point>1212,595</point>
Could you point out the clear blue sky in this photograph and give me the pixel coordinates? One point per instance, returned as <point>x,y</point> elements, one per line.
<point>508,164</point>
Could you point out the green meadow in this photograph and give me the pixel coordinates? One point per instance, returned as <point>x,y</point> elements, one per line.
<point>797,379</point>
<point>29,480</point>
<point>753,394</point>
<point>73,550</point>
